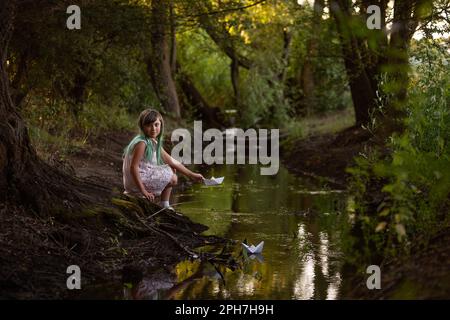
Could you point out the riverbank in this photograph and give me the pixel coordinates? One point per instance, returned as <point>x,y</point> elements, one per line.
<point>424,273</point>
<point>325,156</point>
<point>106,241</point>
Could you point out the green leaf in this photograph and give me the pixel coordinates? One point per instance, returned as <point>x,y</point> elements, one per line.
<point>381,226</point>
<point>128,285</point>
<point>384,212</point>
<point>400,228</point>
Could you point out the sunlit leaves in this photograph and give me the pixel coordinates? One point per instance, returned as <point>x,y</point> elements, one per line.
<point>381,226</point>
<point>424,9</point>
<point>400,229</point>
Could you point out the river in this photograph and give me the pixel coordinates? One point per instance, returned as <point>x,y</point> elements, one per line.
<point>297,219</point>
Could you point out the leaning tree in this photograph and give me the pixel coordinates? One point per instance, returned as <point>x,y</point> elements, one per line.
<point>24,178</point>
<point>374,55</point>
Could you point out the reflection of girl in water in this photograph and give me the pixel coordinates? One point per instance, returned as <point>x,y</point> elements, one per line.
<point>159,286</point>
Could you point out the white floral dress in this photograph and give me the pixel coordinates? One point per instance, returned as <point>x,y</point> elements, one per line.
<point>154,177</point>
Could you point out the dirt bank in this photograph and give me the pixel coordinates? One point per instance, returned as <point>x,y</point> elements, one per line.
<point>325,156</point>
<point>106,241</point>
<point>424,274</point>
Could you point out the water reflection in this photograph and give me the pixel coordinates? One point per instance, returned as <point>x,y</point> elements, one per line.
<point>304,285</point>
<point>296,219</point>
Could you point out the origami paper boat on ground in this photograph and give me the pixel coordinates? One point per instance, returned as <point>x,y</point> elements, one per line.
<point>252,249</point>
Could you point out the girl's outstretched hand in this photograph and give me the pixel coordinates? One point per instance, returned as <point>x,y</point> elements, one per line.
<point>150,196</point>
<point>197,177</point>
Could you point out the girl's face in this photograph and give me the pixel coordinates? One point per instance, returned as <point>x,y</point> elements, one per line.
<point>153,129</point>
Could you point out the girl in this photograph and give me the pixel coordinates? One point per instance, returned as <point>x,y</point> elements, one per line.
<point>147,167</point>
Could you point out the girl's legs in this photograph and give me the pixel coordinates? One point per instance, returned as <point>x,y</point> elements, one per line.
<point>165,194</point>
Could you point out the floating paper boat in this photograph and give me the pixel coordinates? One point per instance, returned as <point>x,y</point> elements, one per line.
<point>257,256</point>
<point>213,181</point>
<point>252,249</point>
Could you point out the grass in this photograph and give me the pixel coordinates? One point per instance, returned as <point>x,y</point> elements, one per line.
<point>321,124</point>
<point>56,130</point>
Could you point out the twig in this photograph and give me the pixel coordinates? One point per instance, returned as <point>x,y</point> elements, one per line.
<point>327,179</point>
<point>224,10</point>
<point>174,204</point>
<point>156,230</point>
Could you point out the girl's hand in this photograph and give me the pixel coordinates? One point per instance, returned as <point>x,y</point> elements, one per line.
<point>197,177</point>
<point>150,196</point>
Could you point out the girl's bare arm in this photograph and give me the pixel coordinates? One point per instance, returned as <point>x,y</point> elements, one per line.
<point>180,167</point>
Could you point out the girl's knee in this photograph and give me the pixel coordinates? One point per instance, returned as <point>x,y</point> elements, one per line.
<point>174,180</point>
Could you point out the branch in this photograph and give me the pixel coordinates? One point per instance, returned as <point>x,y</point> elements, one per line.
<point>225,10</point>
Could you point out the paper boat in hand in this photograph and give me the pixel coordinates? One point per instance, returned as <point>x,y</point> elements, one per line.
<point>252,249</point>
<point>213,181</point>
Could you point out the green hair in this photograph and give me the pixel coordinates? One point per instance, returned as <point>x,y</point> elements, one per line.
<point>147,117</point>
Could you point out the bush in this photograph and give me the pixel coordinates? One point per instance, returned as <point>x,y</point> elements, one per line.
<point>413,181</point>
<point>55,128</point>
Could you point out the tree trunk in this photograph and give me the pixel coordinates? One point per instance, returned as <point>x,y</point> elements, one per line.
<point>308,86</point>
<point>173,40</point>
<point>363,94</point>
<point>17,157</point>
<point>24,178</point>
<point>19,93</point>
<point>202,109</point>
<point>158,59</point>
<point>376,56</point>
<point>220,35</point>
<point>287,38</point>
<point>14,143</point>
<point>234,71</point>
<point>407,15</point>
<point>398,65</point>
<point>307,73</point>
<point>78,93</point>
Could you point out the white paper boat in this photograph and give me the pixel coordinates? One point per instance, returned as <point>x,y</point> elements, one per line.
<point>252,249</point>
<point>213,181</point>
<point>257,256</point>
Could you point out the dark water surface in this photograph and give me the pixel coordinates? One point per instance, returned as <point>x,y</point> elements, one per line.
<point>296,219</point>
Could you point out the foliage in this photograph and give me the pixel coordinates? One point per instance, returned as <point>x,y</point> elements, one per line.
<point>331,91</point>
<point>414,178</point>
<point>78,83</point>
<point>105,61</point>
<point>206,65</point>
<point>264,100</point>
<point>54,128</point>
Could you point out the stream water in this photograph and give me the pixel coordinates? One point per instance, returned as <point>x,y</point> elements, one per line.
<point>297,220</point>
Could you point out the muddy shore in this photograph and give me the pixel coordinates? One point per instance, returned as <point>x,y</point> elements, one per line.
<point>106,243</point>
